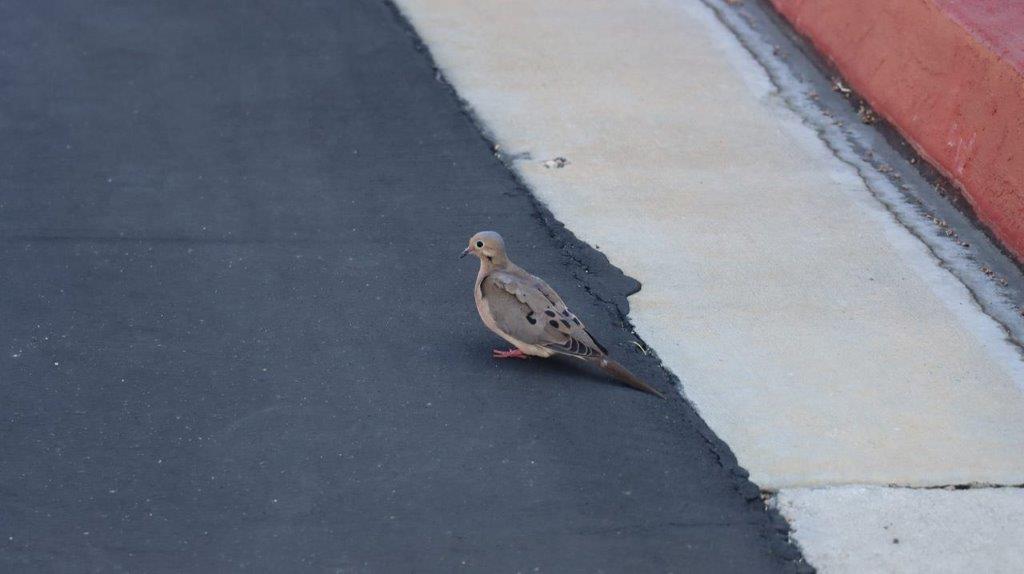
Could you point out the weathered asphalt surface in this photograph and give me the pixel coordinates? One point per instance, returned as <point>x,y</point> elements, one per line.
<point>235,334</point>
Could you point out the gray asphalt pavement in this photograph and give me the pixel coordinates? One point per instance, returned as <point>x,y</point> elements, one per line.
<point>234,333</point>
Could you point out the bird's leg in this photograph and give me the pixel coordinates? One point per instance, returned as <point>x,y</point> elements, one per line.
<point>510,354</point>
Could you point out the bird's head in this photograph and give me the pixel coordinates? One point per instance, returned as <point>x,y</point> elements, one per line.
<point>488,246</point>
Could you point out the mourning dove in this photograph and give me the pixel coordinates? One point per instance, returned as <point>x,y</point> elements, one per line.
<point>526,311</point>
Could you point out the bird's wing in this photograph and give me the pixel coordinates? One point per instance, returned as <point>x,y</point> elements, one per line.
<point>529,310</point>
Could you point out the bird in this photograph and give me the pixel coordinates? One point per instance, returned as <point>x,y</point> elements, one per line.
<point>529,314</point>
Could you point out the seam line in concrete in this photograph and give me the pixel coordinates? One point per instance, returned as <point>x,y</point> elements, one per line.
<point>952,487</point>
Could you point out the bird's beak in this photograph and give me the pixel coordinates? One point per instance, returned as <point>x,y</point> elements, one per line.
<point>466,252</point>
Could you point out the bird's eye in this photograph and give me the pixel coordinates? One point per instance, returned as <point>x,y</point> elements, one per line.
<point>479,244</point>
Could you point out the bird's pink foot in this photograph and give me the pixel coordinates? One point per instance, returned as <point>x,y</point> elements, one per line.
<point>510,354</point>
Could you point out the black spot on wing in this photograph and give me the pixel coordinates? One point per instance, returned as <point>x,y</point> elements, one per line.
<point>553,323</point>
<point>566,323</point>
<point>530,319</point>
<point>549,313</point>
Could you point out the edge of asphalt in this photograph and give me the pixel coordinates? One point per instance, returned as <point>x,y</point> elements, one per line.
<point>579,258</point>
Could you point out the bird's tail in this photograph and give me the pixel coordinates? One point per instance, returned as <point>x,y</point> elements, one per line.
<point>622,374</point>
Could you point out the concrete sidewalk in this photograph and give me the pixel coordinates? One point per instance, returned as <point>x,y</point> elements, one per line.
<point>826,327</point>
<point>235,333</point>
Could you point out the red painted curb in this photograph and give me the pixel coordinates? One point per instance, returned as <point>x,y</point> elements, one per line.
<point>949,74</point>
